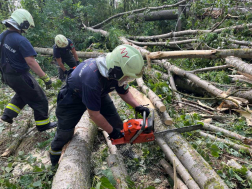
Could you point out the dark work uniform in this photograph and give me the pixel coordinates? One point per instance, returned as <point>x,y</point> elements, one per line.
<point>66,56</point>
<point>86,88</point>
<point>16,75</point>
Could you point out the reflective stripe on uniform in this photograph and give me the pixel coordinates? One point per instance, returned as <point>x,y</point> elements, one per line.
<point>54,152</point>
<point>13,108</point>
<point>42,122</point>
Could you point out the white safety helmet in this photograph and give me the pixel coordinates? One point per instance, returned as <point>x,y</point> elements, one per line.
<point>125,63</point>
<point>20,19</point>
<point>61,41</point>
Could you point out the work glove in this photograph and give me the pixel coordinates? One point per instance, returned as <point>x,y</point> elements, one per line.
<point>141,109</point>
<point>116,134</point>
<point>77,62</point>
<point>47,81</point>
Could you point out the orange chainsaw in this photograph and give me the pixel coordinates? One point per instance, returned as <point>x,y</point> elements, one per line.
<point>142,130</point>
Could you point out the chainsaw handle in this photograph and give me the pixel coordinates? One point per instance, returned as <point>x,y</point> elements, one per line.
<point>141,130</point>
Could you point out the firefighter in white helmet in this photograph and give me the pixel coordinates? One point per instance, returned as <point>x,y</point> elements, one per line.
<point>17,58</point>
<point>87,88</point>
<point>64,52</point>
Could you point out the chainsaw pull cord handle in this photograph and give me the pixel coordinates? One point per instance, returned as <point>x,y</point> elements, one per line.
<point>142,128</point>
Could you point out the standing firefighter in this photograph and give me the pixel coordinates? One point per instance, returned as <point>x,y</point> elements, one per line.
<point>64,52</point>
<point>87,88</point>
<point>17,57</point>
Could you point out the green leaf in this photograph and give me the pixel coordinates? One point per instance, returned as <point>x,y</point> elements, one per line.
<point>8,169</point>
<point>98,185</point>
<point>38,183</point>
<point>105,183</point>
<point>215,150</point>
<point>37,169</point>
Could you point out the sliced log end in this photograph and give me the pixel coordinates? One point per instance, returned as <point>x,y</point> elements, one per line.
<point>162,108</point>
<point>168,122</point>
<point>247,141</point>
<point>6,153</point>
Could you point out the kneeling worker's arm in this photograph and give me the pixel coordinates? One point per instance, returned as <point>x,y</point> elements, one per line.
<point>100,120</point>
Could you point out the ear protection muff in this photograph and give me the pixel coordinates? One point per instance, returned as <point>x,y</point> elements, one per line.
<point>24,25</point>
<point>115,73</point>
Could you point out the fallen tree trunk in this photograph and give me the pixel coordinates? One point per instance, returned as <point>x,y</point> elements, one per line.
<point>243,94</point>
<point>239,65</point>
<point>232,144</point>
<point>14,145</point>
<point>135,11</point>
<point>118,170</point>
<point>170,172</point>
<point>74,168</point>
<point>103,32</point>
<point>155,15</point>
<point>179,166</point>
<point>171,44</point>
<point>155,100</point>
<point>189,32</point>
<point>212,54</point>
<point>234,164</point>
<point>227,133</point>
<point>245,43</point>
<point>80,54</point>
<point>203,84</point>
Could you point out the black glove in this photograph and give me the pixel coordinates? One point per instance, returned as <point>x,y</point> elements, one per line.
<point>141,109</point>
<point>66,72</point>
<point>116,134</point>
<point>47,81</point>
<point>77,62</point>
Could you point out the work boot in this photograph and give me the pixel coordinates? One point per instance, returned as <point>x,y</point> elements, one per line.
<point>47,126</point>
<point>7,119</point>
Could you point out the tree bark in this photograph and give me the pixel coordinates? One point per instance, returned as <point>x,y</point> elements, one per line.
<point>234,164</point>
<point>212,54</point>
<point>170,172</point>
<point>103,32</point>
<point>80,54</point>
<point>232,144</point>
<point>227,133</point>
<point>118,170</point>
<point>74,168</point>
<point>240,78</point>
<point>239,65</point>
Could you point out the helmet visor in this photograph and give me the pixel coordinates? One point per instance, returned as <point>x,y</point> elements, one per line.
<point>125,80</point>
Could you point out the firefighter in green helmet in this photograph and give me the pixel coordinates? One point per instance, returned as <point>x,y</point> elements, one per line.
<point>87,88</point>
<point>64,52</point>
<point>17,58</point>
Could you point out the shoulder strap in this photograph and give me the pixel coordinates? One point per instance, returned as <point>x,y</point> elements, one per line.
<point>2,42</point>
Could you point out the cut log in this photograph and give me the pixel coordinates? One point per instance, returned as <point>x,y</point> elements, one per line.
<point>170,172</point>
<point>232,144</point>
<point>154,99</point>
<point>212,54</point>
<point>74,168</point>
<point>80,54</point>
<point>227,133</point>
<point>234,164</point>
<point>118,170</point>
<point>179,166</point>
<point>239,65</point>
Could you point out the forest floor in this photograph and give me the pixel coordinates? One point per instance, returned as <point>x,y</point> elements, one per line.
<point>141,160</point>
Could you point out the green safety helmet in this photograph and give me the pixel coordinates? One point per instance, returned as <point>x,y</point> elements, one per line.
<point>20,19</point>
<point>61,41</point>
<point>124,60</point>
